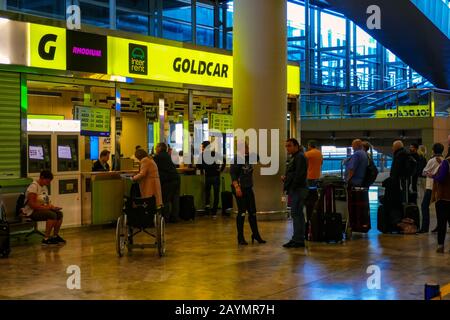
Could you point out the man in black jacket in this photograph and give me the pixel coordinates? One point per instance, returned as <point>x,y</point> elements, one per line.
<point>170,182</point>
<point>212,178</point>
<point>102,163</point>
<point>295,184</point>
<point>395,193</point>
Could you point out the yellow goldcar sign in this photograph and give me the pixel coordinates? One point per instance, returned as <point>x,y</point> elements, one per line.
<point>144,60</point>
<point>47,47</point>
<point>152,61</point>
<point>406,112</point>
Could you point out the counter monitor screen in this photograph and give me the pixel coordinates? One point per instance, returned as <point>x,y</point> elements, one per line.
<point>36,152</point>
<point>64,152</point>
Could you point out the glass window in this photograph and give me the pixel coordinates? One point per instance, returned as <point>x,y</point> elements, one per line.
<point>230,14</point>
<point>177,31</point>
<point>47,8</point>
<point>295,20</point>
<point>179,10</point>
<point>365,44</point>
<point>205,36</point>
<point>332,31</point>
<point>132,22</point>
<point>205,15</point>
<point>95,15</point>
<point>140,5</point>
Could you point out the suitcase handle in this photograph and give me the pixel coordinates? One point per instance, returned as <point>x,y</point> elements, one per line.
<point>329,189</point>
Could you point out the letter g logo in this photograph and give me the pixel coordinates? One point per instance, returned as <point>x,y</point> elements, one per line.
<point>50,54</point>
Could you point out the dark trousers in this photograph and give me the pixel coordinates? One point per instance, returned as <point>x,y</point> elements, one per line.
<point>298,198</point>
<point>443,217</point>
<point>426,210</point>
<point>171,199</point>
<point>246,203</point>
<point>214,182</point>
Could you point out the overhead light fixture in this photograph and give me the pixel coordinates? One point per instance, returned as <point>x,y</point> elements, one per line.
<point>45,94</point>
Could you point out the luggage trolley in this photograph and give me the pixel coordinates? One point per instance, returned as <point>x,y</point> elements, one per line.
<point>139,215</point>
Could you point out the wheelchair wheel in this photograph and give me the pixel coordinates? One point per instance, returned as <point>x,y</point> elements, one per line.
<point>160,234</point>
<point>121,235</point>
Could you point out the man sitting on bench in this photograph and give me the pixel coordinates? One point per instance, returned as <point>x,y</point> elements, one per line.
<point>38,208</point>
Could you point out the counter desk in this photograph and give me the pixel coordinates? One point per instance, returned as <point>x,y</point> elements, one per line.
<point>103,193</point>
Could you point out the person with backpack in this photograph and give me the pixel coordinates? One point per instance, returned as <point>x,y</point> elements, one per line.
<point>430,169</point>
<point>37,207</point>
<point>371,170</point>
<point>357,192</point>
<point>441,193</point>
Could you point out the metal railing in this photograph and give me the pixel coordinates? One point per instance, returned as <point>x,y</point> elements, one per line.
<point>416,102</point>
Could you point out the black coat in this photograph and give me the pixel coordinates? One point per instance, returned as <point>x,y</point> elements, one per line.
<point>399,164</point>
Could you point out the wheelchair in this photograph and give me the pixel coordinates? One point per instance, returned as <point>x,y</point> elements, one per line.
<point>139,215</point>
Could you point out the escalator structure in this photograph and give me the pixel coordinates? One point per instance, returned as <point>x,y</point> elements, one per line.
<point>407,32</point>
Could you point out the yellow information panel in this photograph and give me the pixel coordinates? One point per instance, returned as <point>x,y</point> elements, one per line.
<point>293,81</point>
<point>406,112</point>
<point>221,122</point>
<point>47,47</point>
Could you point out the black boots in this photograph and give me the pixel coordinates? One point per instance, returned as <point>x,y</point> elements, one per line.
<point>254,226</point>
<point>240,229</point>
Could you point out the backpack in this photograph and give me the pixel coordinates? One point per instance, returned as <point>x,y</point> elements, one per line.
<point>371,174</point>
<point>20,204</point>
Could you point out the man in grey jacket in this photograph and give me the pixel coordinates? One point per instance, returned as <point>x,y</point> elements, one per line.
<point>295,184</point>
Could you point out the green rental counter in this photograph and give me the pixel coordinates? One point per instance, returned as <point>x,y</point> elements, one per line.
<point>195,185</point>
<point>103,193</point>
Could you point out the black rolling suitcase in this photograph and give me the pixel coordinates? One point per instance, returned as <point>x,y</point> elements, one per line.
<point>5,248</point>
<point>187,207</point>
<point>226,198</point>
<point>332,221</point>
<point>411,210</point>
<point>326,223</point>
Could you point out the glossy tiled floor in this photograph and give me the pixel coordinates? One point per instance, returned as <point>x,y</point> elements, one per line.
<point>204,262</point>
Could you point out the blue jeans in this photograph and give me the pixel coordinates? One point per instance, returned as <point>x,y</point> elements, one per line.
<point>426,210</point>
<point>298,197</point>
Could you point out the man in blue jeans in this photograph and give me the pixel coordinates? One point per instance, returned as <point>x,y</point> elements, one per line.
<point>296,186</point>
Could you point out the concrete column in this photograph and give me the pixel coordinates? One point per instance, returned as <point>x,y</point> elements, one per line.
<point>259,83</point>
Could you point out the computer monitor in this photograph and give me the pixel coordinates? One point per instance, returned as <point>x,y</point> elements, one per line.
<point>64,152</point>
<point>36,152</point>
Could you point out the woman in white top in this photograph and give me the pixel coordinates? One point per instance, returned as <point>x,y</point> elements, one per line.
<point>430,169</point>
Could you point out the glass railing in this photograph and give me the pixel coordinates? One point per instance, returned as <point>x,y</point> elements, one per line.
<point>411,103</point>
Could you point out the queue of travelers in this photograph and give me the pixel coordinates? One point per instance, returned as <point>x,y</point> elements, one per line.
<point>410,175</point>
